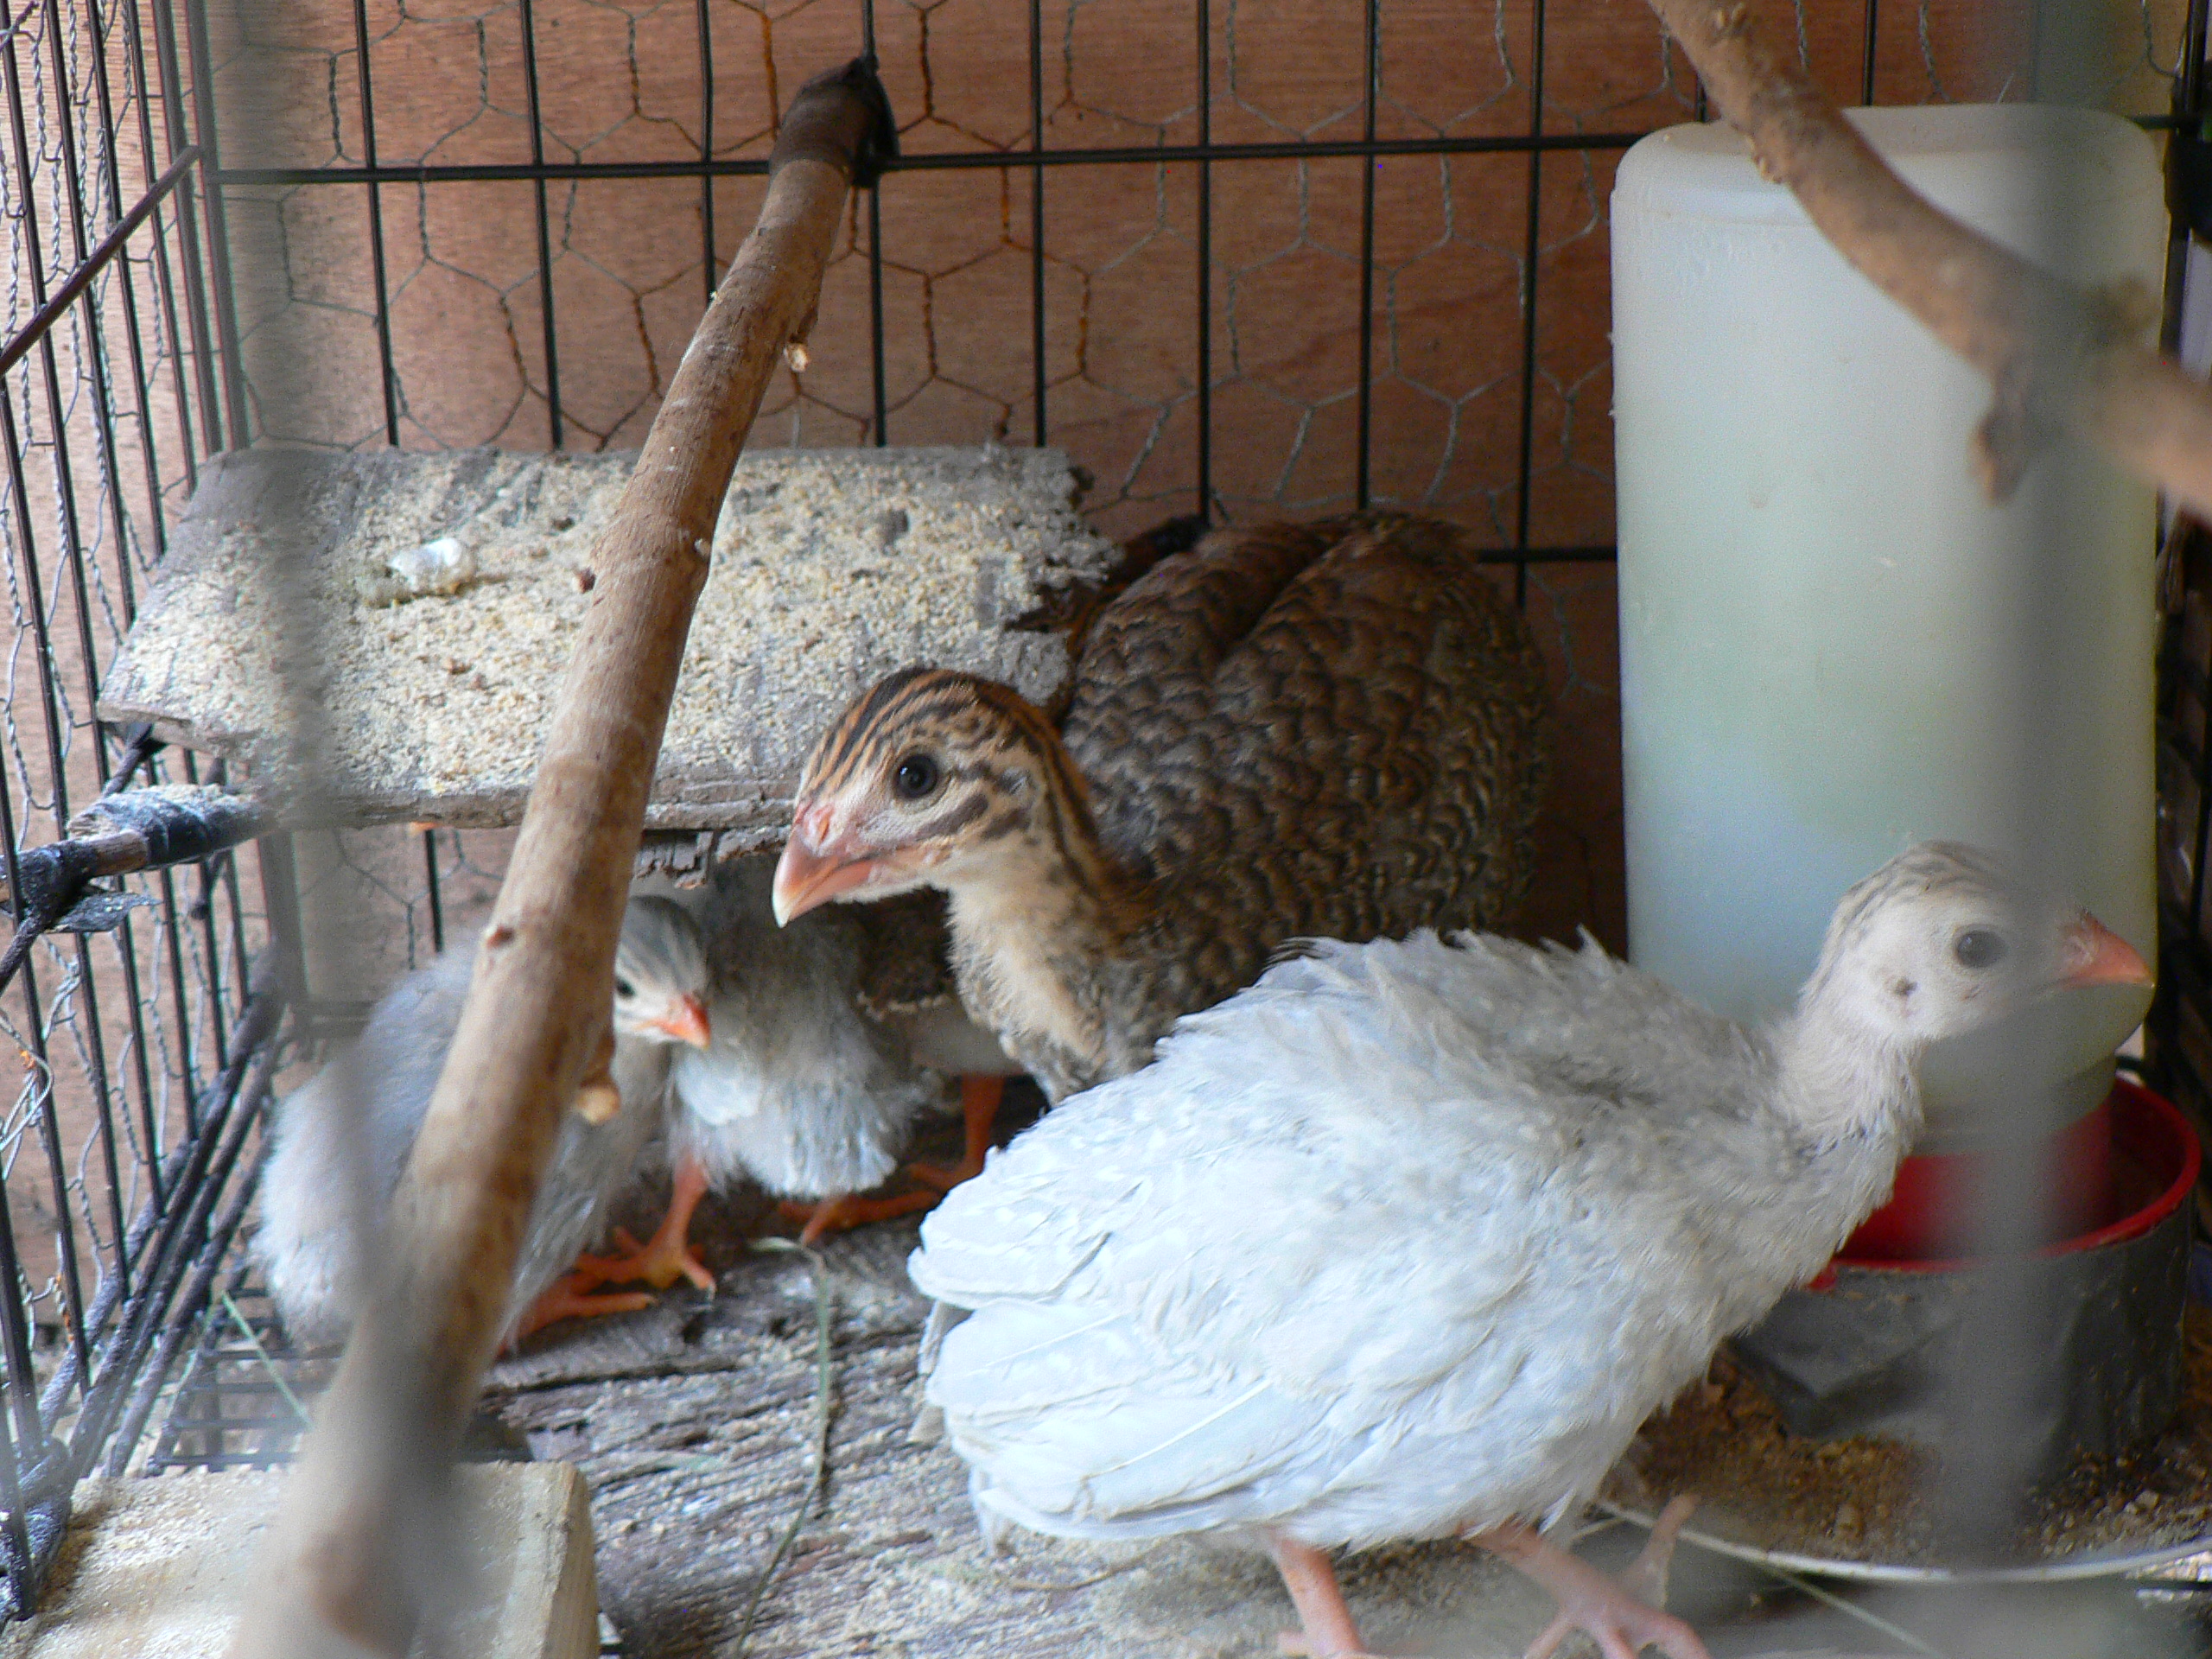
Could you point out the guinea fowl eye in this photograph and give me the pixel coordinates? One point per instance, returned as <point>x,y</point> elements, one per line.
<point>623,987</point>
<point>915,777</point>
<point>1980,947</point>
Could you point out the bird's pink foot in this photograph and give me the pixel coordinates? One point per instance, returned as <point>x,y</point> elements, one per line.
<point>667,1256</point>
<point>568,1298</point>
<point>1620,1616</point>
<point>1645,1578</point>
<point>1328,1631</point>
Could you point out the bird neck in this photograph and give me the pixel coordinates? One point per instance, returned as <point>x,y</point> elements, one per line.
<point>1036,924</point>
<point>1843,1082</point>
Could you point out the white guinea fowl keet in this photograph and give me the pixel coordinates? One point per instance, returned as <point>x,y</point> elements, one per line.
<point>801,1088</point>
<point>1498,1205</point>
<point>343,1137</point>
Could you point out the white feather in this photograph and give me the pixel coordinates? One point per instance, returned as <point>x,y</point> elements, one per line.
<point>342,1138</point>
<point>799,1089</point>
<point>1410,1237</point>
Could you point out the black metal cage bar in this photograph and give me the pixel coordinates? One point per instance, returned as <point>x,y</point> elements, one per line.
<point>113,380</point>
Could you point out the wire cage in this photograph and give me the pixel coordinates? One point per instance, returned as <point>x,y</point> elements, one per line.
<point>1240,257</point>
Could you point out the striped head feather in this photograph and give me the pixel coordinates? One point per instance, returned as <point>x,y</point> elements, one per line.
<point>937,779</point>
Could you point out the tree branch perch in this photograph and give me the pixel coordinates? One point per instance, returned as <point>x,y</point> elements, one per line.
<point>356,1548</point>
<point>2058,358</point>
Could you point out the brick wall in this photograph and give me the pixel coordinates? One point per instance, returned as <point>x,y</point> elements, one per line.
<point>624,83</point>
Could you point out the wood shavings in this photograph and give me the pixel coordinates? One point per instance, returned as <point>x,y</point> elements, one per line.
<point>1866,1500</point>
<point>831,568</point>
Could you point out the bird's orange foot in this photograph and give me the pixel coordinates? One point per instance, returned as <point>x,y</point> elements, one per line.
<point>1620,1616</point>
<point>659,1261</point>
<point>979,1109</point>
<point>843,1211</point>
<point>667,1256</point>
<point>1297,1641</point>
<point>942,1179</point>
<point>568,1298</point>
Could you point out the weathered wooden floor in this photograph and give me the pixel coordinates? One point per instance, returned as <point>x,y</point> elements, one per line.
<point>693,1423</point>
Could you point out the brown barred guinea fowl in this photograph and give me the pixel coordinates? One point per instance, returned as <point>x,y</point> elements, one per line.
<point>1311,730</point>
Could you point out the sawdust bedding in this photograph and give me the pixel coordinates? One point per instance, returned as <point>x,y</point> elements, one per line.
<point>1866,1500</point>
<point>442,592</point>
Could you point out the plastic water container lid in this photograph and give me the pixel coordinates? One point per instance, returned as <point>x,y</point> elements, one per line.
<point>1970,159</point>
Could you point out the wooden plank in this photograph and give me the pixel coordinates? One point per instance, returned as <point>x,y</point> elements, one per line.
<point>161,1567</point>
<point>538,1517</point>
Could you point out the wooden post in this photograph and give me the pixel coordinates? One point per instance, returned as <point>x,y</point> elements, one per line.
<point>2057,357</point>
<point>356,1551</point>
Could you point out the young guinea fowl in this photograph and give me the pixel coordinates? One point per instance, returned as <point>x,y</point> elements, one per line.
<point>810,1085</point>
<point>1626,1180</point>
<point>314,1188</point>
<point>1319,729</point>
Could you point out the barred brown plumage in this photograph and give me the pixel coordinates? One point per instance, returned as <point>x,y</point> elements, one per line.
<point>1301,730</point>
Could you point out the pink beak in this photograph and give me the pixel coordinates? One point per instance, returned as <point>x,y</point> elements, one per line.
<point>2097,956</point>
<point>811,873</point>
<point>685,1020</point>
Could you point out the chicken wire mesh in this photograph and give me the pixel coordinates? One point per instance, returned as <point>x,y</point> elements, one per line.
<point>1253,258</point>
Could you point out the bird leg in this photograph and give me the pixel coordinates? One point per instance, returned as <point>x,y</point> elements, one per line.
<point>1614,1614</point>
<point>667,1256</point>
<point>568,1298</point>
<point>979,1109</point>
<point>831,1215</point>
<point>842,1211</point>
<point>1327,1624</point>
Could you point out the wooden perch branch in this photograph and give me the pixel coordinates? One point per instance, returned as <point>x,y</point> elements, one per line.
<point>356,1546</point>
<point>2058,358</point>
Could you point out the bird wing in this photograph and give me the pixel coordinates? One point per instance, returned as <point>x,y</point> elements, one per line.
<point>1072,609</point>
<point>1328,1196</point>
<point>1327,730</point>
<point>1038,1396</point>
<point>367,1101</point>
<point>1145,675</point>
<point>1243,1193</point>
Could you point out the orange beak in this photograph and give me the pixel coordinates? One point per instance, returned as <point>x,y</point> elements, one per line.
<point>685,1020</point>
<point>809,874</point>
<point>2095,954</point>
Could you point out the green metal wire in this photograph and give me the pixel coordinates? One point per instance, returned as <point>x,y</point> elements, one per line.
<point>267,1363</point>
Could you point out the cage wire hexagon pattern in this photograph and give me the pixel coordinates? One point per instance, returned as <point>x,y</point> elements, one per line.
<point>1256,259</point>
